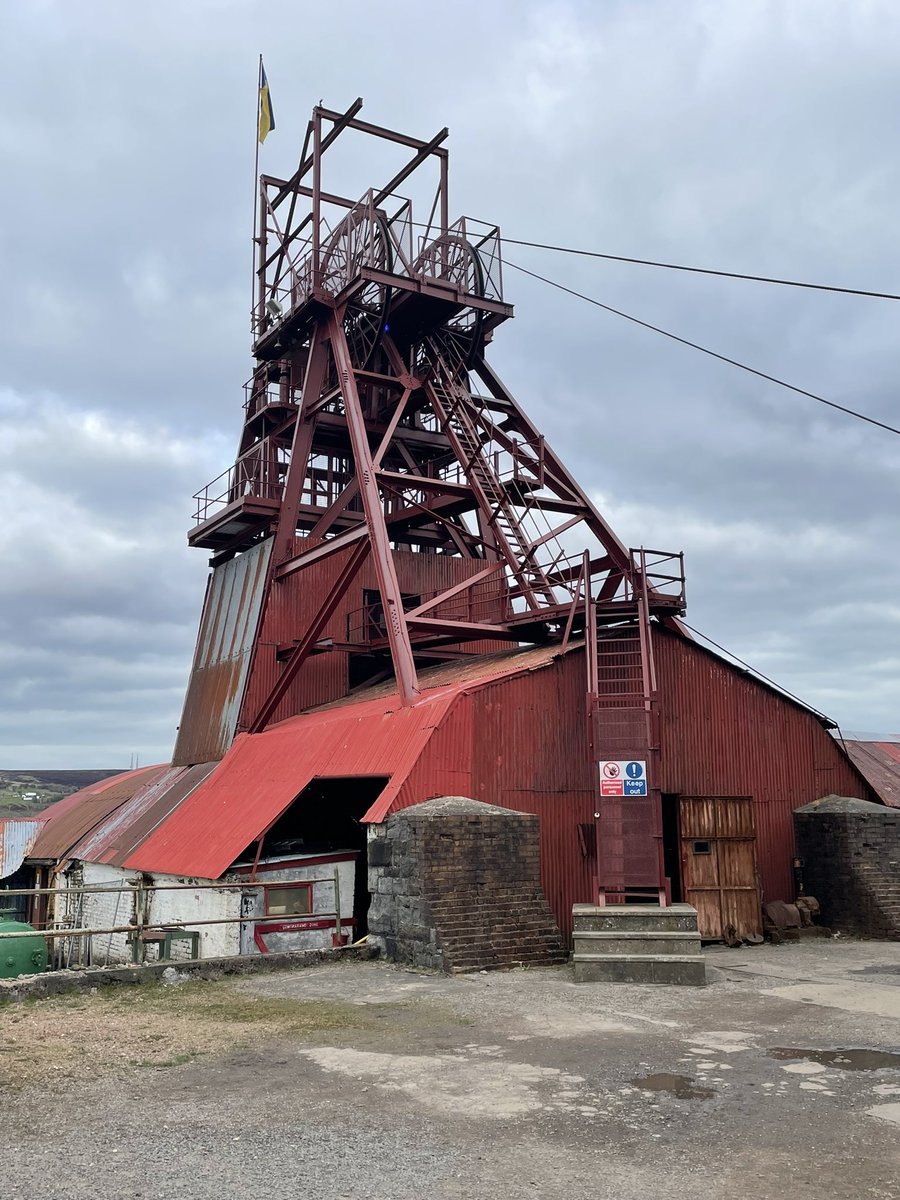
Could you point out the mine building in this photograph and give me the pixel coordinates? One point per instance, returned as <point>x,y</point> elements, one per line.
<point>411,597</point>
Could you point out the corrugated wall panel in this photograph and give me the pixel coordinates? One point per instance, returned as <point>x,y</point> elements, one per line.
<point>218,676</point>
<point>295,601</point>
<point>521,742</point>
<point>16,837</point>
<point>722,733</point>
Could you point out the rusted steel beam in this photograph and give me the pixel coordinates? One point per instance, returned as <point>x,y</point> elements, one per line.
<point>390,135</point>
<point>334,546</point>
<point>462,630</point>
<point>424,483</point>
<point>450,593</point>
<point>311,635</point>
<point>385,569</point>
<point>300,450</point>
<point>616,549</point>
<point>447,292</point>
<point>341,121</point>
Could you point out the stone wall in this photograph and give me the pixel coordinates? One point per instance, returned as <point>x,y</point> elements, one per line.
<point>455,885</point>
<point>851,864</point>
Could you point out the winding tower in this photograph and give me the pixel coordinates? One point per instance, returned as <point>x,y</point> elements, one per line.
<point>391,505</point>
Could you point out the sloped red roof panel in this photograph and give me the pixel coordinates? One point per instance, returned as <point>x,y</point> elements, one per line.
<point>879,763</point>
<point>112,840</point>
<point>262,774</point>
<point>68,820</point>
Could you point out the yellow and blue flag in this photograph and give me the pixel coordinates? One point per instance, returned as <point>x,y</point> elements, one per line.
<point>266,116</point>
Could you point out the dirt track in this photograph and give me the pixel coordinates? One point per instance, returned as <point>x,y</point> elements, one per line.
<point>367,1081</point>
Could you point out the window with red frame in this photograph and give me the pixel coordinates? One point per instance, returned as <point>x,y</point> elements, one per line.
<point>288,900</point>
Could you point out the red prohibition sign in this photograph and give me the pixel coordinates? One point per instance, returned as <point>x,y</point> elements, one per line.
<point>611,770</point>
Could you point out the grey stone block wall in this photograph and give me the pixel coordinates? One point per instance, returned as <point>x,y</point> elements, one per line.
<point>455,886</point>
<point>851,854</point>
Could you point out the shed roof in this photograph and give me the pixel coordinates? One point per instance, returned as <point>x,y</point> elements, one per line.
<point>70,819</point>
<point>262,774</point>
<point>197,820</point>
<point>879,763</point>
<point>843,804</point>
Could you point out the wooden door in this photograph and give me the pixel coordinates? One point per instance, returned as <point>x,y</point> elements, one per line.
<point>718,864</point>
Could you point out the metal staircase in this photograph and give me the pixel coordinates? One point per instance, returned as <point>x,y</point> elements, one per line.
<point>459,414</point>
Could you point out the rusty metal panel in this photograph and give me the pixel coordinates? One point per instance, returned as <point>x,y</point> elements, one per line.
<point>224,644</point>
<point>294,603</point>
<point>373,734</point>
<point>526,735</point>
<point>17,835</point>
<point>879,762</point>
<point>723,733</point>
<point>66,822</point>
<point>114,839</point>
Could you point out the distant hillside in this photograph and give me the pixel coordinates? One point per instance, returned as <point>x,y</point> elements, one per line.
<point>25,793</point>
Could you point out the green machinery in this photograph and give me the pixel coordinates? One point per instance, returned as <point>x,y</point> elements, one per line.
<point>22,955</point>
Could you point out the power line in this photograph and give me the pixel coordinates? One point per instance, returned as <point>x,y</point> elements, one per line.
<point>705,350</point>
<point>649,262</point>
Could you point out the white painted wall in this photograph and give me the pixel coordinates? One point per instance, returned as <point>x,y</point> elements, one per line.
<point>322,902</point>
<point>110,908</point>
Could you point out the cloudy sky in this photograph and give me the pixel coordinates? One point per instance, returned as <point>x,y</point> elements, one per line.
<point>737,134</point>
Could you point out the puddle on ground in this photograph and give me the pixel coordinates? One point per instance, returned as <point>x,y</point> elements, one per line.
<point>844,1060</point>
<point>878,969</point>
<point>682,1087</point>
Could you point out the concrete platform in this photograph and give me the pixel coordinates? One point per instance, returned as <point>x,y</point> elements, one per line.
<point>637,943</point>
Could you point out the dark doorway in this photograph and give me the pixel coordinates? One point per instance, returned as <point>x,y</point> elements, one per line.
<point>672,845</point>
<point>327,816</point>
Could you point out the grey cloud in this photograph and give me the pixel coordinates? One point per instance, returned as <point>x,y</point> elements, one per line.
<point>753,137</point>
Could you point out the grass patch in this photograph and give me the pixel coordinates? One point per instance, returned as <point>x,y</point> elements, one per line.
<point>219,1004</point>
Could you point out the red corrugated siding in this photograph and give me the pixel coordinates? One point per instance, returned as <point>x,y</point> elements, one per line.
<point>525,737</point>
<point>724,734</point>
<point>295,602</point>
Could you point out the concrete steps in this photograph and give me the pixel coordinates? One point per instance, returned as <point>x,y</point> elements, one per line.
<point>637,943</point>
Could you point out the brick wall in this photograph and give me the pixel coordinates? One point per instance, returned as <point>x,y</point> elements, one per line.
<point>851,853</point>
<point>455,885</point>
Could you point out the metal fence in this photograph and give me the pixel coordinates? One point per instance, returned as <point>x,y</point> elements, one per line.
<point>143,930</point>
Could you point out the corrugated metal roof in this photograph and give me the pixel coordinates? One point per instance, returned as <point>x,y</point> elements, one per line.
<point>16,837</point>
<point>368,734</point>
<point>224,644</point>
<point>67,821</point>
<point>879,762</point>
<point>112,841</point>
<point>262,774</point>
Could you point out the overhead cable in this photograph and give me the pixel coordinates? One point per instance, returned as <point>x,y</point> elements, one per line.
<point>705,350</point>
<point>649,262</point>
<point>758,674</point>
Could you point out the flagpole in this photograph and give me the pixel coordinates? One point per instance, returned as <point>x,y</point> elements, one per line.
<point>253,281</point>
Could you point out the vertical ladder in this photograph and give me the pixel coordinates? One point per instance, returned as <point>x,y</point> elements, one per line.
<point>624,726</point>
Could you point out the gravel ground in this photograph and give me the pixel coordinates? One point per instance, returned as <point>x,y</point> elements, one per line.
<point>369,1082</point>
